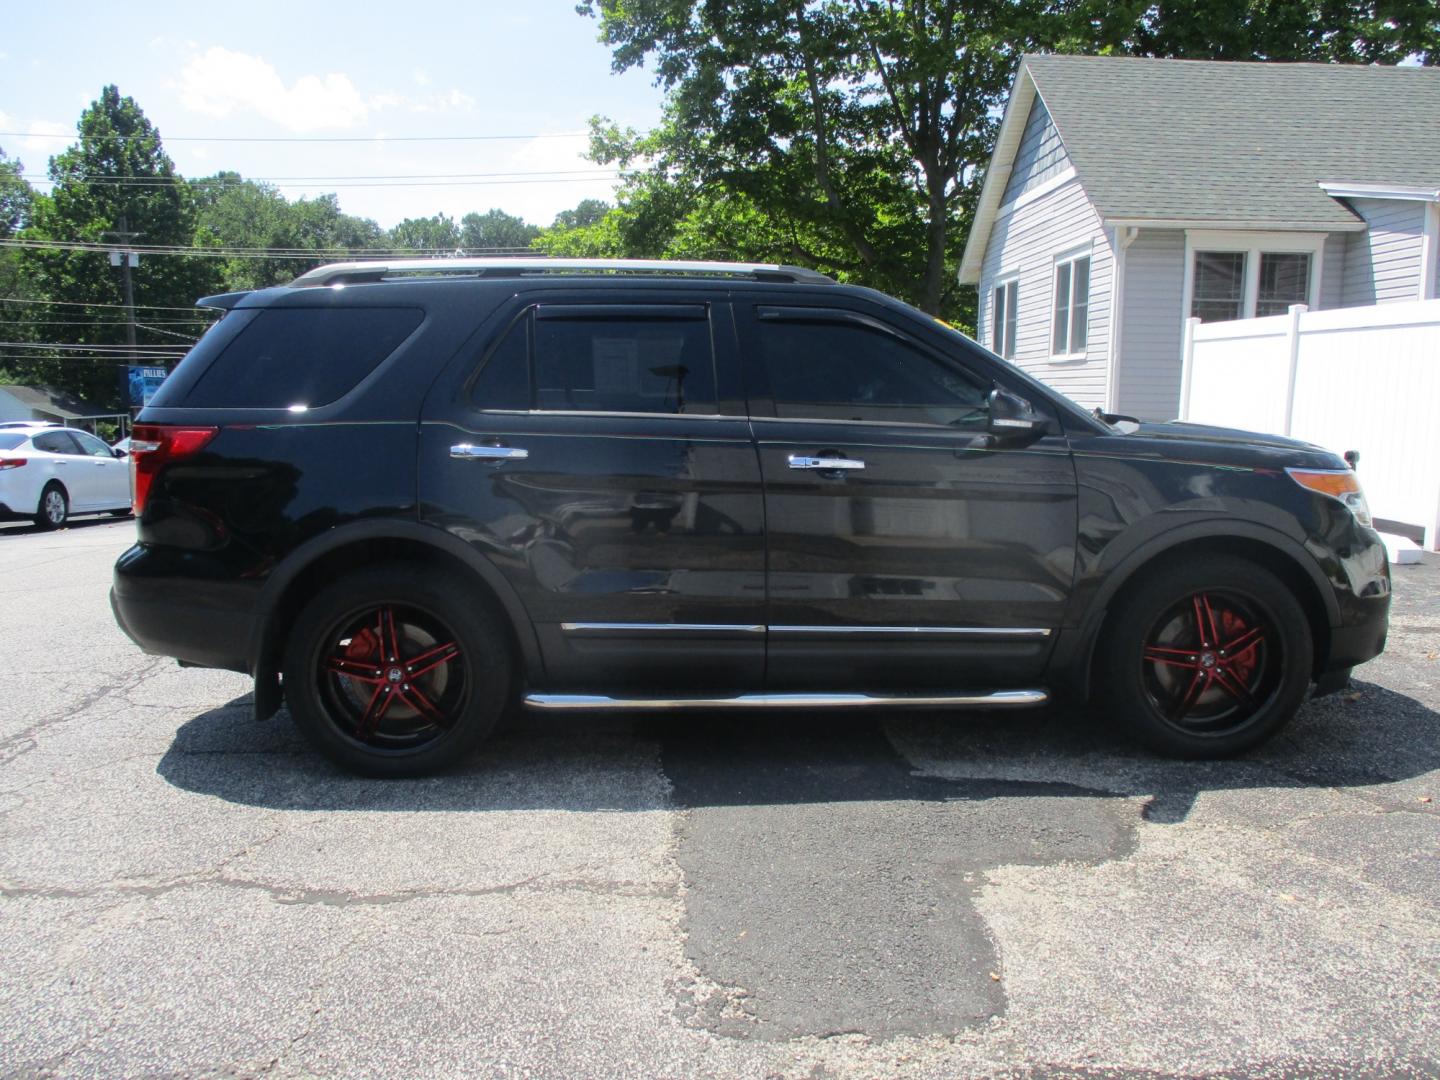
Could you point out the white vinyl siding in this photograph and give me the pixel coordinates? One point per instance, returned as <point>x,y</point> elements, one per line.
<point>1332,270</point>
<point>1041,155</point>
<point>1152,323</point>
<point>1024,245</point>
<point>1382,264</point>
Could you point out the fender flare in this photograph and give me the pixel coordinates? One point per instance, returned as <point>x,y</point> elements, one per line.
<point>1116,576</point>
<point>267,687</point>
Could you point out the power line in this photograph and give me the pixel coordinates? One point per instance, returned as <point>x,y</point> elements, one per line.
<point>317,177</point>
<point>93,361</point>
<point>90,247</point>
<point>87,304</point>
<point>63,346</point>
<point>143,182</point>
<point>168,333</point>
<point>295,138</point>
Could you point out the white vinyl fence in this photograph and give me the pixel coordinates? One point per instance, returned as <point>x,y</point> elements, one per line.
<point>1364,379</point>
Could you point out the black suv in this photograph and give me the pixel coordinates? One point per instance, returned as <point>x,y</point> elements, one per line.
<point>412,495</point>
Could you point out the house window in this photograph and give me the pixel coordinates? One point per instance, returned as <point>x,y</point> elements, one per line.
<point>1002,319</point>
<point>1072,306</point>
<point>1239,275</point>
<point>1284,280</point>
<point>1219,292</point>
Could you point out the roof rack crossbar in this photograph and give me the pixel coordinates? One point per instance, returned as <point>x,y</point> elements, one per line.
<point>354,273</point>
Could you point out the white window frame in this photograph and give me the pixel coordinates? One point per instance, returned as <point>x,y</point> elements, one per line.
<point>1069,258</point>
<point>1253,245</point>
<point>1011,283</point>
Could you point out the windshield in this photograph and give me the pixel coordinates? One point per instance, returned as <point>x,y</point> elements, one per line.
<point>9,441</point>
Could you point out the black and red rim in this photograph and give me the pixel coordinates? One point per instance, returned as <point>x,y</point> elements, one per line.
<point>1212,662</point>
<point>392,677</point>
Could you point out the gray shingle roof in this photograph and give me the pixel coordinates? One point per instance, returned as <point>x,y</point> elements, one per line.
<point>54,402</point>
<point>1239,142</point>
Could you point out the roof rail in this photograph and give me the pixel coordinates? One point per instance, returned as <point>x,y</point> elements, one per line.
<point>351,273</point>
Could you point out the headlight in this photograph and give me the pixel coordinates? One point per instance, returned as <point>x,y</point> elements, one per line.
<point>1340,484</point>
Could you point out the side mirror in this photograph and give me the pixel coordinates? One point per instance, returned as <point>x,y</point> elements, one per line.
<point>1011,416</point>
<point>119,453</point>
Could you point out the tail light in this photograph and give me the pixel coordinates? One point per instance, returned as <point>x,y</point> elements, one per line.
<point>153,446</point>
<point>12,463</point>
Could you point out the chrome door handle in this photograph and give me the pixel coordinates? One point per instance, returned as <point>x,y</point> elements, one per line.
<point>799,461</point>
<point>471,452</point>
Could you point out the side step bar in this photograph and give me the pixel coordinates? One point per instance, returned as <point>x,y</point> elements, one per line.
<point>983,699</point>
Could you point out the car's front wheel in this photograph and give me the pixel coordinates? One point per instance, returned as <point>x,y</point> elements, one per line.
<point>1207,658</point>
<point>393,671</point>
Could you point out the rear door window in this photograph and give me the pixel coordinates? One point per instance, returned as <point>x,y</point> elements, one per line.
<point>56,442</point>
<point>612,358</point>
<point>309,357</point>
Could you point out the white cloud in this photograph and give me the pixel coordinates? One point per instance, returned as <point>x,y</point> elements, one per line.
<point>450,101</point>
<point>38,143</point>
<point>220,82</point>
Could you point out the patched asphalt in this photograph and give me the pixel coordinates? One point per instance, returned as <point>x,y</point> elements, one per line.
<point>184,892</point>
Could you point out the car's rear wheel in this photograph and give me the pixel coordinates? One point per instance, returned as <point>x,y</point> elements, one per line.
<point>1207,658</point>
<point>393,671</point>
<point>54,508</point>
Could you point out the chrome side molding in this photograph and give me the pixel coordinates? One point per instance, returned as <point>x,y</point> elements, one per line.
<point>1011,699</point>
<point>997,632</point>
<point>655,628</point>
<point>972,631</point>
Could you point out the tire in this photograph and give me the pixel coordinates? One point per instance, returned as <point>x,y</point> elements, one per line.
<point>373,715</point>
<point>1207,658</point>
<point>53,509</point>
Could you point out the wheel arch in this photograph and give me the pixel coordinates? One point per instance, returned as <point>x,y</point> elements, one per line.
<point>1274,551</point>
<point>351,547</point>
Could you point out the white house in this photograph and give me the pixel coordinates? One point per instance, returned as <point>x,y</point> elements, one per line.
<point>1125,196</point>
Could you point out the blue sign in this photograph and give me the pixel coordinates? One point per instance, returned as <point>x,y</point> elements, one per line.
<point>144,381</point>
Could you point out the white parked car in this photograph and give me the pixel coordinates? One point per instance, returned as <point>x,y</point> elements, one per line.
<point>48,472</point>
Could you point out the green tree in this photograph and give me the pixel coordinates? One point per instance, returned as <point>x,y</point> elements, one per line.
<point>116,179</point>
<point>436,235</point>
<point>16,196</point>
<point>586,212</point>
<point>857,126</point>
<point>235,213</point>
<point>495,230</point>
<point>1325,31</point>
<point>18,319</point>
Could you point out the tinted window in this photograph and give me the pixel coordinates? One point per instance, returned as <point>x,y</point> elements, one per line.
<point>301,356</point>
<point>504,378</point>
<point>91,445</point>
<point>846,371</point>
<point>56,442</point>
<point>652,365</point>
<point>9,442</point>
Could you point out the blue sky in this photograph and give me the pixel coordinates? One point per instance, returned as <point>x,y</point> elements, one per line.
<point>374,72</point>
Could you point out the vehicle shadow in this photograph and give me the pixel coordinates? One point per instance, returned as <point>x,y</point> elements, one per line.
<point>1365,737</point>
<point>21,528</point>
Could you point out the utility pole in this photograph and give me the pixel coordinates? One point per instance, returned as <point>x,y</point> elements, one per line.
<point>126,260</point>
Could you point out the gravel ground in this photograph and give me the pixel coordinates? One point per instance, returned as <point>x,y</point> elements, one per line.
<point>185,892</point>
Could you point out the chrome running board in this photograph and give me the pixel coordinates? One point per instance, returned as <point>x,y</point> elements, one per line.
<point>985,699</point>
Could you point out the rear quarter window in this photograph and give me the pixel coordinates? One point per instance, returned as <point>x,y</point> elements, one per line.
<point>301,356</point>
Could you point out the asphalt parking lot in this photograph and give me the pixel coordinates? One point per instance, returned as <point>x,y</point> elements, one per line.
<point>185,892</point>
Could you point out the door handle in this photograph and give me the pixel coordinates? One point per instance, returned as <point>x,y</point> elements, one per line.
<point>471,452</point>
<point>800,461</point>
